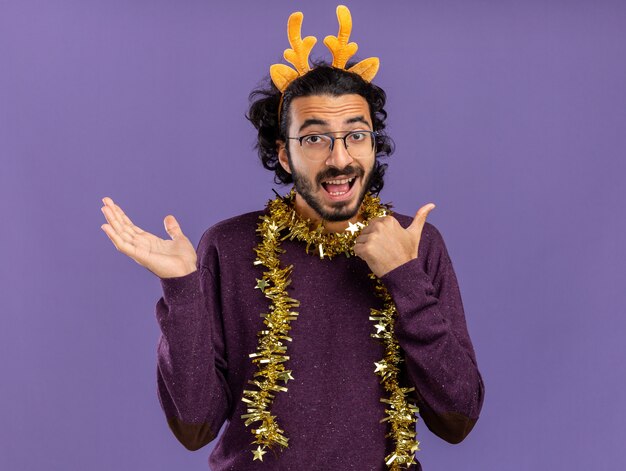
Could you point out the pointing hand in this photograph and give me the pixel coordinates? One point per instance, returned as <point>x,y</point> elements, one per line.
<point>384,244</point>
<point>165,258</point>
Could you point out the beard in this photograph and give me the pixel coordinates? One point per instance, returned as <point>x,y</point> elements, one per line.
<point>339,210</point>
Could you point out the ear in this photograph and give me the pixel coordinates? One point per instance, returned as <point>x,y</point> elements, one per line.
<point>282,156</point>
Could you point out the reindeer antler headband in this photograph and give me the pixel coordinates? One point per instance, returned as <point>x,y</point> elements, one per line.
<point>298,55</point>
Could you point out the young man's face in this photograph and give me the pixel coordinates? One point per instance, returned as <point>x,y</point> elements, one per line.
<point>338,115</point>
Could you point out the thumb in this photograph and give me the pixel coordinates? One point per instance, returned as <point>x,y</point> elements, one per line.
<point>172,227</point>
<point>420,219</point>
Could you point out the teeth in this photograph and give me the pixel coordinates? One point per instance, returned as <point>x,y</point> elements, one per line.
<point>339,182</point>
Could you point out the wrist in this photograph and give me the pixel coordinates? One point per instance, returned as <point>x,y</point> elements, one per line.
<point>392,266</point>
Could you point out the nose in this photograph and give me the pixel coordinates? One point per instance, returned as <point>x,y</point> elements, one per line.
<point>339,156</point>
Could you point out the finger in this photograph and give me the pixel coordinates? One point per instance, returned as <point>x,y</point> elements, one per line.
<point>362,238</point>
<point>377,220</point>
<point>116,225</point>
<point>361,251</point>
<point>110,215</point>
<point>372,226</point>
<point>420,218</point>
<point>118,242</point>
<point>106,200</point>
<point>357,250</point>
<point>121,216</point>
<point>366,230</point>
<point>172,227</point>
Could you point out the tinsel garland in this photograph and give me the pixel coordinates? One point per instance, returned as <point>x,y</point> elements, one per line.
<point>270,356</point>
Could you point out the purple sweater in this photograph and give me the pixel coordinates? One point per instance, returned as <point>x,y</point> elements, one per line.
<point>331,412</point>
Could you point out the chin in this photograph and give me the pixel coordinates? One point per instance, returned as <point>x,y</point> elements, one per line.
<point>341,212</point>
<point>335,211</point>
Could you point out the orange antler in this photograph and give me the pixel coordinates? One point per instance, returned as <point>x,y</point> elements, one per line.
<point>298,55</point>
<point>342,51</point>
<point>338,45</point>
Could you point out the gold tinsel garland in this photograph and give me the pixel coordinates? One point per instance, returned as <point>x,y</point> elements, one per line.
<point>271,351</point>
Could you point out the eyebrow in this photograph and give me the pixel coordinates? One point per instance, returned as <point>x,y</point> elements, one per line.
<point>321,122</point>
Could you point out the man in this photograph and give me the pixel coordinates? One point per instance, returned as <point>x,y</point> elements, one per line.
<point>269,326</point>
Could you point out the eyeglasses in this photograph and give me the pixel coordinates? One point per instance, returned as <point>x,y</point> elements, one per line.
<point>318,147</point>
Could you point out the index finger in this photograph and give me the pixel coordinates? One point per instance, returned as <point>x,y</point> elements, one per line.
<point>121,215</point>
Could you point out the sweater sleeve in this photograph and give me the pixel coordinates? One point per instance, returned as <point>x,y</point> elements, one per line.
<point>191,368</point>
<point>432,332</point>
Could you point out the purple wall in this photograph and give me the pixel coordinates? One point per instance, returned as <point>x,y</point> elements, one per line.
<point>509,115</point>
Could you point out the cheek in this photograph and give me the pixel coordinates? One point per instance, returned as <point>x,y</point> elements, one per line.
<point>305,169</point>
<point>368,166</point>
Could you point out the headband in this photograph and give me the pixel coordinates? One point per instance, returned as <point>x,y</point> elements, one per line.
<point>298,55</point>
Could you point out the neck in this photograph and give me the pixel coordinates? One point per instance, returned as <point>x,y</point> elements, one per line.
<point>306,212</point>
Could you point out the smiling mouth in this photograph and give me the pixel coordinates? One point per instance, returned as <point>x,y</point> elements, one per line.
<point>338,187</point>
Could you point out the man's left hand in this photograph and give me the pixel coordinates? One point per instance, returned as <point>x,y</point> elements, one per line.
<point>384,244</point>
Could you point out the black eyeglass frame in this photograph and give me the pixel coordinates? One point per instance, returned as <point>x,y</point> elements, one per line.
<point>373,135</point>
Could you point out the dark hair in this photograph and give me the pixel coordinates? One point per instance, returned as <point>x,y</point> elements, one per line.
<point>323,79</point>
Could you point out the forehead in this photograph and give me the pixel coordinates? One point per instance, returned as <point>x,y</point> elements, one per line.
<point>335,110</point>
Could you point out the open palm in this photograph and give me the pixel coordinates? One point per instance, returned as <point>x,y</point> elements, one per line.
<point>164,258</point>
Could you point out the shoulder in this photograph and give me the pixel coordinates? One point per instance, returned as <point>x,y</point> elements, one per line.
<point>234,226</point>
<point>230,236</point>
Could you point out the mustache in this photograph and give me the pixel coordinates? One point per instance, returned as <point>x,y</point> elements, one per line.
<point>348,171</point>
